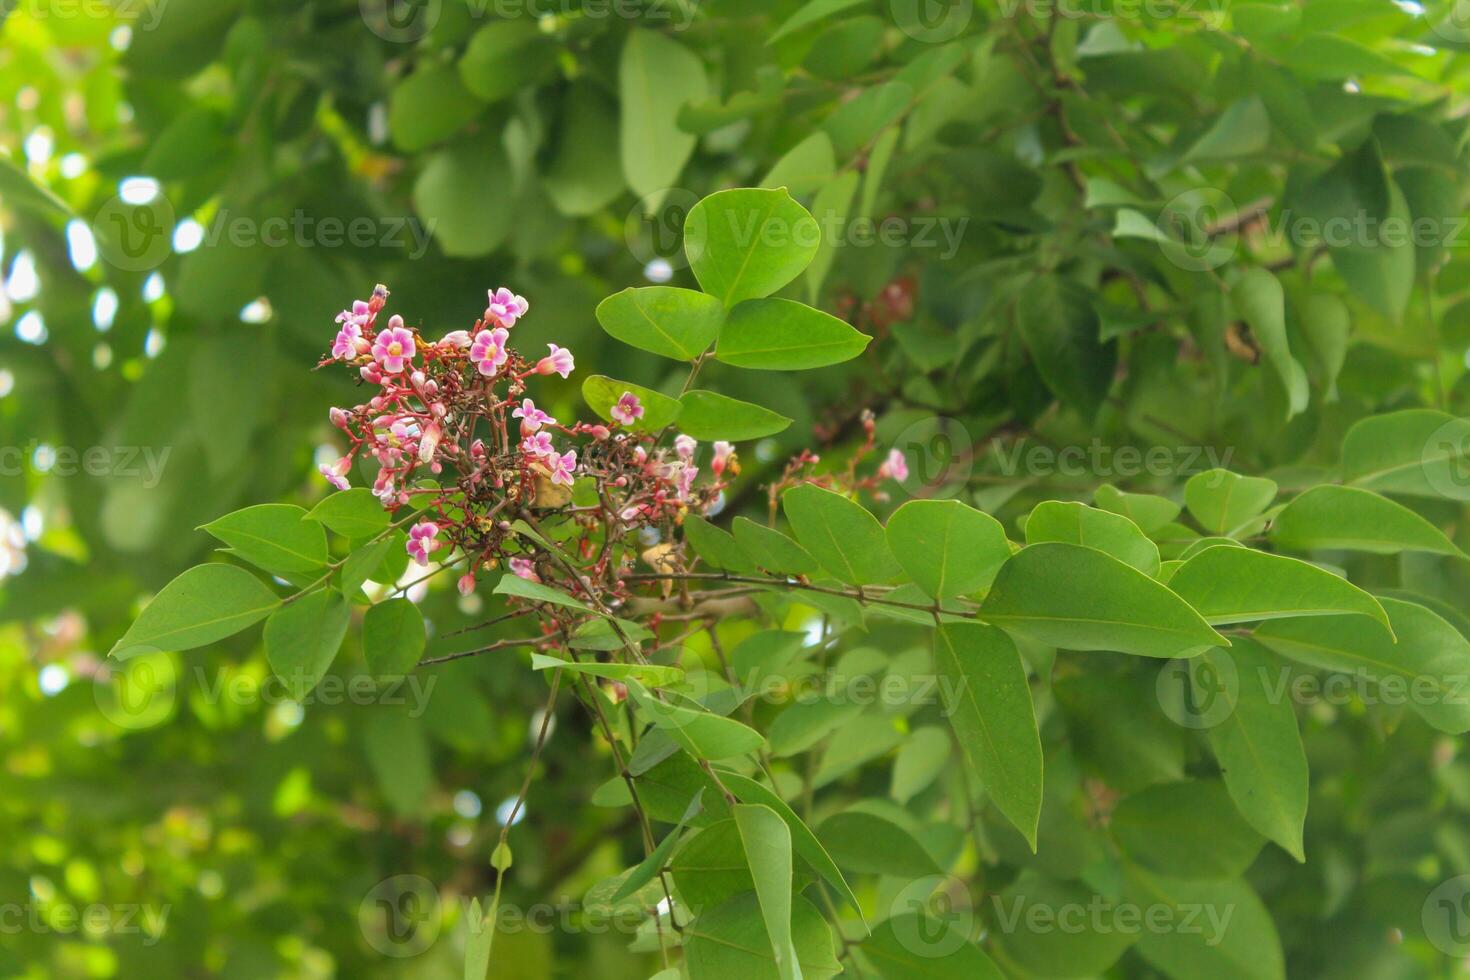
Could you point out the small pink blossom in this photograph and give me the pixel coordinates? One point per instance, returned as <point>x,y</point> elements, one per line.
<point>466,583</point>
<point>559,361</point>
<point>336,473</point>
<point>394,346</point>
<point>488,350</point>
<point>563,467</point>
<point>895,466</point>
<point>423,541</point>
<point>430,441</point>
<point>359,316</point>
<point>723,452</point>
<point>349,342</point>
<point>505,307</point>
<point>628,409</point>
<point>456,338</point>
<point>338,417</point>
<point>524,568</point>
<point>685,446</point>
<point>630,513</point>
<point>686,480</point>
<point>538,445</point>
<point>532,418</point>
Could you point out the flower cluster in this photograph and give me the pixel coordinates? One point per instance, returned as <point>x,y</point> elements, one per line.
<point>455,435</point>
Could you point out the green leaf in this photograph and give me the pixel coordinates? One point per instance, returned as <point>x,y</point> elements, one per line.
<point>988,703</point>
<point>602,393</point>
<point>716,545</point>
<point>1186,829</point>
<point>362,564</point>
<point>600,634</point>
<point>1243,947</point>
<point>202,605</point>
<point>1146,510</point>
<point>767,843</point>
<point>651,865</point>
<point>452,196</point>
<point>393,637</point>
<point>514,585</point>
<point>1028,934</point>
<point>1060,328</point>
<point>1082,599</point>
<point>772,550</point>
<point>708,415</point>
<point>731,941</point>
<point>481,940</point>
<point>911,945</point>
<point>784,335</point>
<point>1075,523</point>
<point>803,841</point>
<point>1426,668</point>
<point>22,193</point>
<point>747,243</point>
<point>428,106</point>
<point>710,866</point>
<point>805,167</point>
<point>648,674</point>
<point>354,513</point>
<point>810,13</point>
<point>1242,130</point>
<point>656,76</point>
<point>502,42</point>
<point>1223,502</point>
<point>1257,294</point>
<point>1238,585</point>
<point>1419,452</point>
<point>1353,519</point>
<point>580,179</point>
<point>302,639</point>
<point>947,547</point>
<point>866,843</point>
<point>1260,750</point>
<point>703,734</point>
<point>832,208</point>
<point>274,536</point>
<point>665,320</point>
<point>919,762</point>
<point>840,534</point>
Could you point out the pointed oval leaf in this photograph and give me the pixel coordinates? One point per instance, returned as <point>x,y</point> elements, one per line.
<point>393,637</point>
<point>302,639</point>
<point>948,547</point>
<point>354,513</point>
<point>203,604</point>
<point>746,243</point>
<point>1223,501</point>
<point>772,550</point>
<point>1237,585</point>
<point>709,415</point>
<point>665,320</point>
<point>1420,452</point>
<point>841,534</point>
<point>275,537</point>
<point>1076,523</point>
<point>784,335</point>
<point>1353,519</point>
<point>1079,598</point>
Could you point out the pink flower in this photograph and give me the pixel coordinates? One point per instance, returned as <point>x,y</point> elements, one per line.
<point>488,350</point>
<point>456,338</point>
<point>466,583</point>
<point>895,466</point>
<point>538,445</point>
<point>394,346</point>
<point>628,409</point>
<point>532,418</point>
<point>349,342</point>
<point>359,316</point>
<point>524,568</point>
<point>685,446</point>
<point>562,467</point>
<point>685,480</point>
<point>505,307</point>
<point>559,361</point>
<point>423,541</point>
<point>723,452</point>
<point>339,418</point>
<point>336,473</point>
